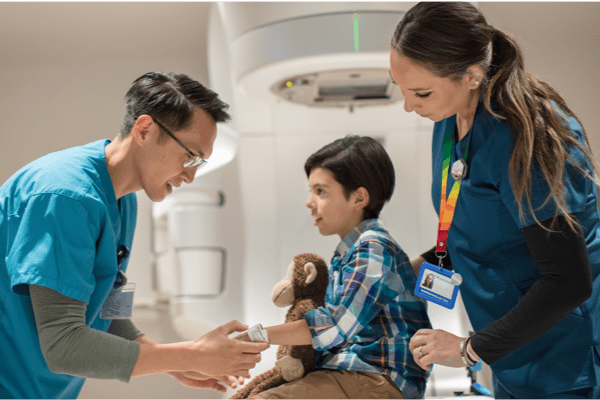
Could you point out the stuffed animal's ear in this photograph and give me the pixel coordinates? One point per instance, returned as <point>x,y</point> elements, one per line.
<point>311,270</point>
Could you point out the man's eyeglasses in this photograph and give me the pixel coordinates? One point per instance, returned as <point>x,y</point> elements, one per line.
<point>194,160</point>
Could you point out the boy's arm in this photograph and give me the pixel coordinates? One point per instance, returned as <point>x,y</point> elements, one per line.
<point>370,280</point>
<point>292,333</point>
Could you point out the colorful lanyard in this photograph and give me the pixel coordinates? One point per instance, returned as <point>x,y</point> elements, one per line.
<point>447,206</point>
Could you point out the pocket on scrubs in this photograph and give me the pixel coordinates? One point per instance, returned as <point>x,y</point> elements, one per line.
<point>557,362</point>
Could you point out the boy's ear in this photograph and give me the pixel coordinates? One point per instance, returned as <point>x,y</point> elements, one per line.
<point>361,197</point>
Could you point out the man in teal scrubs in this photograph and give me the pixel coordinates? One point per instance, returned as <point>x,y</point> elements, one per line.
<point>67,223</point>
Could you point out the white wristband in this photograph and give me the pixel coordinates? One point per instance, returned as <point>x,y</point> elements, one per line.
<point>258,334</point>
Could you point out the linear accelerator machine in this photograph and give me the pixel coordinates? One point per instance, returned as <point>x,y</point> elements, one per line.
<point>296,76</point>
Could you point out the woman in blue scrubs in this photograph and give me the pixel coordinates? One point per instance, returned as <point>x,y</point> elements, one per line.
<point>524,231</point>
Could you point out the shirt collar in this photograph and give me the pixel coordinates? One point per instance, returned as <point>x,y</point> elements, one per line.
<point>351,237</point>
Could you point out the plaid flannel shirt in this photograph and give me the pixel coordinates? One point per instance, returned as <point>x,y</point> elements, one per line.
<point>371,312</point>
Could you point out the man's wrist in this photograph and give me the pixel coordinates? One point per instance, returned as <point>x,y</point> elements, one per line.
<point>157,358</point>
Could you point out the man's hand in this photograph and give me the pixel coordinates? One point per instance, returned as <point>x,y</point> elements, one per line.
<point>197,380</point>
<point>213,354</point>
<point>218,355</point>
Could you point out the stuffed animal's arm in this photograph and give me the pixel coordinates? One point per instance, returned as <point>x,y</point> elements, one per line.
<point>291,368</point>
<point>296,332</point>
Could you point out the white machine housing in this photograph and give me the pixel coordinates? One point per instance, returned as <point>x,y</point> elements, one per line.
<point>252,49</point>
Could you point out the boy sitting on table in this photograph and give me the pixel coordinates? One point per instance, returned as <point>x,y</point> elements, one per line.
<point>370,314</point>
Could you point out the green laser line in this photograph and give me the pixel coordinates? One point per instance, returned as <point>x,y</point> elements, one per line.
<point>355,32</point>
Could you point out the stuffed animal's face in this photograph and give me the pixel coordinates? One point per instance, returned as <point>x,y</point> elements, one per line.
<point>304,271</point>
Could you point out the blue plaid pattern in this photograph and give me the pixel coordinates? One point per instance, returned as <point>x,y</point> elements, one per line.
<point>371,312</point>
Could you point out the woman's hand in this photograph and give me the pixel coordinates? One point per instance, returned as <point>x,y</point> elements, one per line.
<point>197,380</point>
<point>435,346</point>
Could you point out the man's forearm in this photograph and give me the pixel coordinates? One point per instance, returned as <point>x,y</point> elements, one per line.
<point>151,357</point>
<point>145,339</point>
<point>213,354</point>
<point>155,358</point>
<point>124,328</point>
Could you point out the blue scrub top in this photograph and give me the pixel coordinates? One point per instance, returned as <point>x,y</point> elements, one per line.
<point>489,251</point>
<point>60,226</point>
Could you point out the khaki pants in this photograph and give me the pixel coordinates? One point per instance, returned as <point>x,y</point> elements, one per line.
<point>335,384</point>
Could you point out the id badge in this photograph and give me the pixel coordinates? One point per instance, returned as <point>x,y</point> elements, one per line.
<point>119,304</point>
<point>438,285</point>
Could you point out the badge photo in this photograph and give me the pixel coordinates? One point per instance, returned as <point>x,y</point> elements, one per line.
<point>438,285</point>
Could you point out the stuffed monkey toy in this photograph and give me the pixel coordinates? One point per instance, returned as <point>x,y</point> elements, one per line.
<point>304,289</point>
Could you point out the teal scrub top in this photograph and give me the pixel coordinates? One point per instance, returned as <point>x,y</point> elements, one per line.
<point>488,249</point>
<point>60,227</point>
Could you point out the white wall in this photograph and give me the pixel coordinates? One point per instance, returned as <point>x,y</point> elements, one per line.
<point>561,44</point>
<point>65,68</point>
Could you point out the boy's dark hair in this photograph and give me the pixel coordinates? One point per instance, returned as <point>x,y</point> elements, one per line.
<point>171,99</point>
<point>358,161</point>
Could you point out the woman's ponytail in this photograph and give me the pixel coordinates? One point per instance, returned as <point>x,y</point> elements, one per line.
<point>536,114</point>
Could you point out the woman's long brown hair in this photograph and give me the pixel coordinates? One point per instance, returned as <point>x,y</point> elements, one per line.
<point>447,39</point>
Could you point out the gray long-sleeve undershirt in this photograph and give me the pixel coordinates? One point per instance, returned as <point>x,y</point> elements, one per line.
<point>71,347</point>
